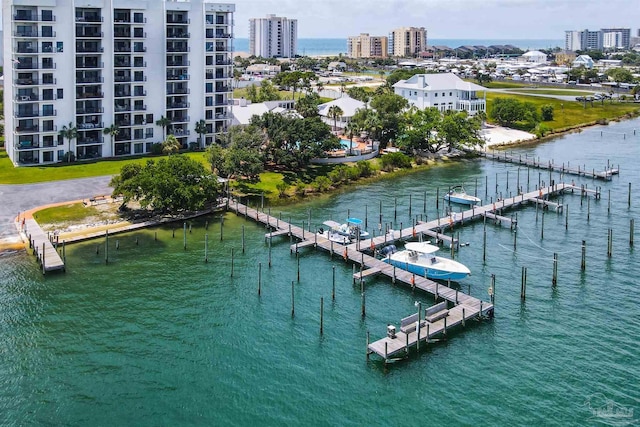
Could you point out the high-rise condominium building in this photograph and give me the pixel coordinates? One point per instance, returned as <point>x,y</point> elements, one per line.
<point>123,66</point>
<point>366,46</point>
<point>273,37</point>
<point>408,41</point>
<point>606,38</point>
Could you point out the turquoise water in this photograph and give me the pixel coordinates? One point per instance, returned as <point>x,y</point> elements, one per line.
<point>159,337</point>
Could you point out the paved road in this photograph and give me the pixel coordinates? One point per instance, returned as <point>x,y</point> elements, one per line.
<point>20,197</point>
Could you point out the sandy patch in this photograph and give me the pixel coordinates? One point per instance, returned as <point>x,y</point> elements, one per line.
<point>498,135</point>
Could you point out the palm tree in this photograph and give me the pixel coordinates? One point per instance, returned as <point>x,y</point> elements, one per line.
<point>201,129</point>
<point>69,132</point>
<point>163,122</point>
<point>334,112</point>
<point>319,87</point>
<point>171,145</point>
<point>112,131</point>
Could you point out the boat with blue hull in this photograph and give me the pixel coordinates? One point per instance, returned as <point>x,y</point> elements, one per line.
<point>418,258</point>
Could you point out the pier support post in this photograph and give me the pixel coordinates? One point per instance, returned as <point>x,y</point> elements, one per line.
<point>298,265</point>
<point>64,254</point>
<point>484,241</point>
<point>44,268</point>
<point>322,316</point>
<point>333,283</point>
<point>363,299</point>
<point>588,209</point>
<point>269,252</point>
<point>583,263</point>
<point>493,288</point>
<point>231,262</point>
<point>206,248</point>
<point>259,278</point>
<point>631,227</point>
<point>243,239</point>
<point>554,279</point>
<point>106,247</point>
<point>566,217</point>
<point>523,284</point>
<point>610,243</point>
<point>367,346</point>
<point>609,203</point>
<point>409,206</point>
<point>293,300</point>
<point>542,227</point>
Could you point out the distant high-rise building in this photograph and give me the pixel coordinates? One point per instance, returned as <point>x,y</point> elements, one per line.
<point>606,38</point>
<point>110,70</point>
<point>617,38</point>
<point>273,37</point>
<point>408,41</point>
<point>366,46</point>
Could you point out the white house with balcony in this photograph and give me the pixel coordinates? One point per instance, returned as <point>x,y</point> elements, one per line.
<point>445,91</point>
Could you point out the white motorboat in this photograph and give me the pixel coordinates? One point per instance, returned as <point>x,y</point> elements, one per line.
<point>353,228</point>
<point>458,195</point>
<point>332,232</point>
<point>419,258</point>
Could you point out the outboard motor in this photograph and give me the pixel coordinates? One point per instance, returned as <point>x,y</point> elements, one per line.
<point>388,250</point>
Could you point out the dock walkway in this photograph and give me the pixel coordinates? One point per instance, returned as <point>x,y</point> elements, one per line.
<point>606,174</point>
<point>43,249</point>
<point>463,307</point>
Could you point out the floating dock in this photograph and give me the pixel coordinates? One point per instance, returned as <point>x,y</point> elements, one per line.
<point>43,249</point>
<point>549,165</point>
<point>460,306</point>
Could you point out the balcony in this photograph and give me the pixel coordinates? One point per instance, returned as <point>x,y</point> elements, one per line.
<point>122,64</point>
<point>178,48</point>
<point>138,93</point>
<point>139,49</point>
<point>140,108</point>
<point>122,94</point>
<point>120,108</point>
<point>89,95</point>
<point>181,63</point>
<point>181,132</point>
<point>27,97</point>
<point>89,65</point>
<point>223,88</point>
<point>21,114</point>
<point>33,34</point>
<point>139,34</point>
<point>139,64</point>
<point>123,123</point>
<point>89,17</point>
<point>84,34</point>
<point>89,80</point>
<point>224,62</point>
<point>179,119</point>
<point>27,129</point>
<point>33,17</point>
<point>178,91</point>
<point>124,136</point>
<point>89,140</point>
<point>178,35</point>
<point>122,34</point>
<point>178,19</point>
<point>178,105</point>
<point>177,76</point>
<point>122,79</point>
<point>122,49</point>
<point>89,49</point>
<point>27,145</point>
<point>90,125</point>
<point>89,110</point>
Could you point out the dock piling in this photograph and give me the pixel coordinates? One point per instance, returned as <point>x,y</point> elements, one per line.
<point>554,279</point>
<point>631,227</point>
<point>321,315</point>
<point>259,278</point>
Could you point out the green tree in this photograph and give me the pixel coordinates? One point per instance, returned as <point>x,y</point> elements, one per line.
<point>459,131</point>
<point>215,155</point>
<point>547,112</point>
<point>419,129</point>
<point>359,93</point>
<point>506,111</point>
<point>69,132</point>
<point>307,105</point>
<point>389,108</point>
<point>252,93</point>
<point>483,78</point>
<point>201,129</point>
<point>163,122</point>
<point>112,131</point>
<point>620,75</point>
<point>173,184</point>
<point>334,112</point>
<point>268,92</point>
<point>171,145</point>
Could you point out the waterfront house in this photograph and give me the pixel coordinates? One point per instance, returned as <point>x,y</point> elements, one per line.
<point>534,56</point>
<point>583,60</point>
<point>348,105</point>
<point>445,91</point>
<point>243,110</point>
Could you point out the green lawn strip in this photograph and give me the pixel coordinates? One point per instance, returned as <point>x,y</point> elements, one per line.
<point>242,93</point>
<point>499,84</point>
<point>76,212</point>
<point>562,92</point>
<point>568,114</point>
<point>32,174</point>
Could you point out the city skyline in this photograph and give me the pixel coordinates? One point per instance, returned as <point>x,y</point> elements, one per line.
<point>453,19</point>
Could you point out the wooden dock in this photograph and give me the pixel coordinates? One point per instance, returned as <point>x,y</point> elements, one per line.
<point>549,165</point>
<point>463,307</point>
<point>43,249</point>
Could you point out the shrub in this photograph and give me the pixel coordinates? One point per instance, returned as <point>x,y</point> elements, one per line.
<point>541,130</point>
<point>395,160</point>
<point>300,189</point>
<point>322,183</point>
<point>547,112</point>
<point>282,188</point>
<point>364,168</point>
<point>156,148</point>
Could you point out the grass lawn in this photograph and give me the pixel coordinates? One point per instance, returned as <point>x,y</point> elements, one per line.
<point>571,113</point>
<point>500,84</point>
<point>31,174</point>
<point>242,93</point>
<point>76,212</point>
<point>562,92</point>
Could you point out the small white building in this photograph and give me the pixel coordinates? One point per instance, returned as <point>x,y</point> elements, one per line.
<point>583,60</point>
<point>444,91</point>
<point>263,70</point>
<point>348,105</point>
<point>243,110</point>
<point>534,56</point>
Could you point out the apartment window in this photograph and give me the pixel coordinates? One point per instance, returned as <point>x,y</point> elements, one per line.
<point>47,156</point>
<point>148,133</point>
<point>60,140</point>
<point>47,31</point>
<point>47,95</point>
<point>59,47</point>
<point>47,126</point>
<point>47,63</point>
<point>60,93</point>
<point>209,88</point>
<point>443,94</point>
<point>209,115</point>
<point>137,148</point>
<point>47,15</point>
<point>436,95</point>
<point>450,93</point>
<point>149,118</point>
<point>47,47</point>
<point>60,155</point>
<point>138,133</point>
<point>138,17</point>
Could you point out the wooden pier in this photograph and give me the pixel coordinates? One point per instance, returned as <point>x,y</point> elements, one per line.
<point>43,249</point>
<point>606,174</point>
<point>460,307</point>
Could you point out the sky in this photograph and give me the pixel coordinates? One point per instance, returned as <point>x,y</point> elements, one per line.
<point>444,19</point>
